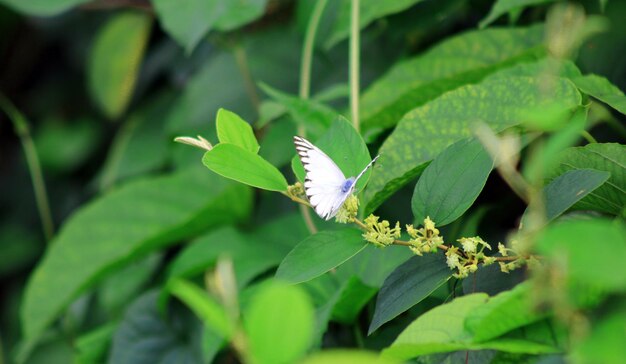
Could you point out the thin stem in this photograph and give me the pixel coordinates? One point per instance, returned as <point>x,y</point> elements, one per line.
<point>32,159</point>
<point>242,63</point>
<point>588,137</point>
<point>354,64</point>
<point>307,51</point>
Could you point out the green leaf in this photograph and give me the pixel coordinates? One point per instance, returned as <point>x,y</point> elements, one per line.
<point>460,60</point>
<point>567,189</point>
<point>429,129</point>
<point>92,346</point>
<point>231,161</point>
<point>610,157</point>
<point>605,341</point>
<point>409,284</point>
<point>320,253</point>
<point>232,129</point>
<point>592,250</point>
<point>602,89</point>
<point>187,21</point>
<point>502,7</point>
<point>42,7</point>
<point>146,335</point>
<point>504,312</point>
<point>206,308</point>
<point>239,13</point>
<point>438,330</point>
<point>133,220</point>
<point>373,265</point>
<point>369,10</point>
<point>343,356</point>
<point>279,323</point>
<point>451,183</point>
<point>354,296</point>
<point>115,59</point>
<point>346,148</point>
<point>315,117</point>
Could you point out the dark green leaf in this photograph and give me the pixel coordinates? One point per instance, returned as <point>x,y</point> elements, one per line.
<point>369,10</point>
<point>427,130</point>
<point>115,59</point>
<point>320,253</point>
<point>502,7</point>
<point>146,336</point>
<point>187,21</point>
<point>239,13</point>
<point>406,286</point>
<point>611,196</point>
<point>354,296</point>
<point>122,225</point>
<point>343,356</point>
<point>279,323</point>
<point>92,346</point>
<point>372,265</point>
<point>451,183</point>
<point>457,61</point>
<point>232,129</point>
<point>205,307</point>
<point>603,90</point>
<point>231,161</point>
<point>567,189</point>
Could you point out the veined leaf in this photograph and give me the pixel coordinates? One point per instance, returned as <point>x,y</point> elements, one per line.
<point>451,183</point>
<point>115,59</point>
<point>232,129</point>
<point>241,165</point>
<point>603,90</point>
<point>460,60</point>
<point>502,7</point>
<point>427,130</point>
<point>609,157</point>
<point>320,253</point>
<point>130,221</point>
<point>409,284</point>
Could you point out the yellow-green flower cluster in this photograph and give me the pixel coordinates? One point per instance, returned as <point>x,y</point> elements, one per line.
<point>348,210</point>
<point>507,267</point>
<point>295,190</point>
<point>426,239</point>
<point>380,233</point>
<point>466,259</point>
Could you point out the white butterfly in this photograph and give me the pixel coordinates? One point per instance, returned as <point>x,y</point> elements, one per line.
<point>325,185</point>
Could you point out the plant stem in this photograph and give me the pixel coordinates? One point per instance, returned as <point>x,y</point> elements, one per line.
<point>354,64</point>
<point>588,137</point>
<point>242,63</point>
<point>307,52</point>
<point>32,159</point>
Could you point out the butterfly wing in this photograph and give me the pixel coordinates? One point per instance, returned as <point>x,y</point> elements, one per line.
<point>365,170</point>
<point>323,179</point>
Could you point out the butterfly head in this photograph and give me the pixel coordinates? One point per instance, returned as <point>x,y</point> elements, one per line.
<point>347,185</point>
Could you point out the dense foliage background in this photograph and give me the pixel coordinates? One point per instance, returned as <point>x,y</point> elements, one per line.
<point>503,120</point>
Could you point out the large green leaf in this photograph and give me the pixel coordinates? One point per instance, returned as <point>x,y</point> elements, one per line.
<point>320,253</point>
<point>427,130</point>
<point>187,21</point>
<point>609,157</point>
<point>605,341</point>
<point>238,13</point>
<point>463,59</point>
<point>372,265</point>
<point>409,284</point>
<point>369,10</point>
<point>232,129</point>
<point>502,7</point>
<point>130,221</point>
<point>42,7</point>
<point>343,356</point>
<point>502,313</point>
<point>241,165</point>
<point>603,90</point>
<point>279,323</point>
<point>567,189</point>
<point>346,148</point>
<point>452,182</point>
<point>592,250</point>
<point>145,335</point>
<point>115,59</point>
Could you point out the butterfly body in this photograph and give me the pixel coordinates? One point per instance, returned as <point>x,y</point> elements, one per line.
<point>325,185</point>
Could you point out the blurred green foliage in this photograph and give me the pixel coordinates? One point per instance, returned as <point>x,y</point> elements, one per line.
<point>502,119</point>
